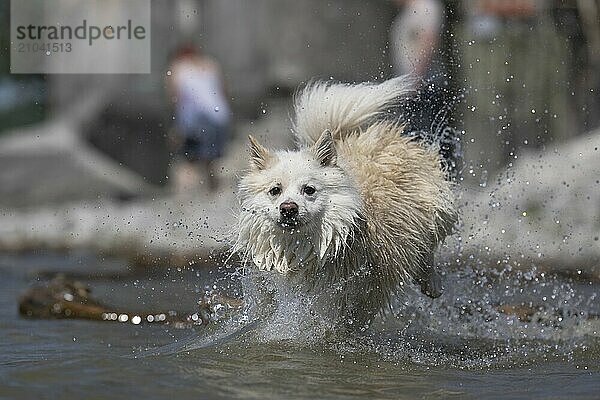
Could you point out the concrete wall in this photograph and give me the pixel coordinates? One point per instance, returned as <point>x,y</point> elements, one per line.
<point>268,43</point>
<point>262,45</point>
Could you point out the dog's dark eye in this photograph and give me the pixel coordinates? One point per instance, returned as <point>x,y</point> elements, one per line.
<point>275,191</point>
<point>309,190</point>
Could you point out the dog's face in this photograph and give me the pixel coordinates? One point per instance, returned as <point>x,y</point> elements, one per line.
<point>296,189</point>
<point>292,191</point>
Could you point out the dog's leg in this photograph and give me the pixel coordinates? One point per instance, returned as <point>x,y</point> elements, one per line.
<point>430,280</point>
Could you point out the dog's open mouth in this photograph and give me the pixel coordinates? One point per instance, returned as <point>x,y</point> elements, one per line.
<point>288,223</point>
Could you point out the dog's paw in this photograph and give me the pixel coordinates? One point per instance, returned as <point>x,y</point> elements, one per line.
<point>430,281</point>
<point>432,284</point>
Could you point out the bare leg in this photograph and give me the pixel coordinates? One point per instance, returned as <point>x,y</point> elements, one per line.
<point>186,176</point>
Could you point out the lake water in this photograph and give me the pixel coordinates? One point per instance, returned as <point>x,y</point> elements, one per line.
<point>458,346</point>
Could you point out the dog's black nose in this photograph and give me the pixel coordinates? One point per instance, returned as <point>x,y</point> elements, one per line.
<point>288,209</point>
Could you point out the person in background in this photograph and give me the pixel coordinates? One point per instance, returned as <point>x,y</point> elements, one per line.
<point>415,37</point>
<point>202,116</point>
<point>416,49</point>
<point>516,68</point>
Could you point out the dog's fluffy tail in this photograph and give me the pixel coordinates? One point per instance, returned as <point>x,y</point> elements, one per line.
<point>344,108</point>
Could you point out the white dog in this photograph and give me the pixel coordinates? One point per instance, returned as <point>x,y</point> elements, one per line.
<point>356,212</point>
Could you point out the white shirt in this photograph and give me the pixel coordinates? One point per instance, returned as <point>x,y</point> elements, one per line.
<point>199,90</point>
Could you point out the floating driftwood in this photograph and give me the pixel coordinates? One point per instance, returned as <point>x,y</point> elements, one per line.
<point>63,298</point>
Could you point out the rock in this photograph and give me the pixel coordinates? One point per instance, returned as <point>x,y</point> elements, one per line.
<point>543,211</point>
<point>51,163</point>
<point>194,227</point>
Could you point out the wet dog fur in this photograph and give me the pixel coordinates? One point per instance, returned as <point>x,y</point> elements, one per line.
<point>356,212</point>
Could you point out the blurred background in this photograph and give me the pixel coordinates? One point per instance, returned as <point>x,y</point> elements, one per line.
<point>99,161</point>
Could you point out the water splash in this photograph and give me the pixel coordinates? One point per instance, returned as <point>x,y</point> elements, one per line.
<point>492,318</point>
<point>485,318</point>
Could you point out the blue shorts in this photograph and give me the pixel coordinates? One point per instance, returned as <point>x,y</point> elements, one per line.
<point>203,139</point>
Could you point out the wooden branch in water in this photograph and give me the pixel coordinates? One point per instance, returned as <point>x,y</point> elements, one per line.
<point>67,299</point>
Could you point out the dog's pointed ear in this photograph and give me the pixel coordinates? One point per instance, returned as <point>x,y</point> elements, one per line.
<point>324,149</point>
<point>259,155</point>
